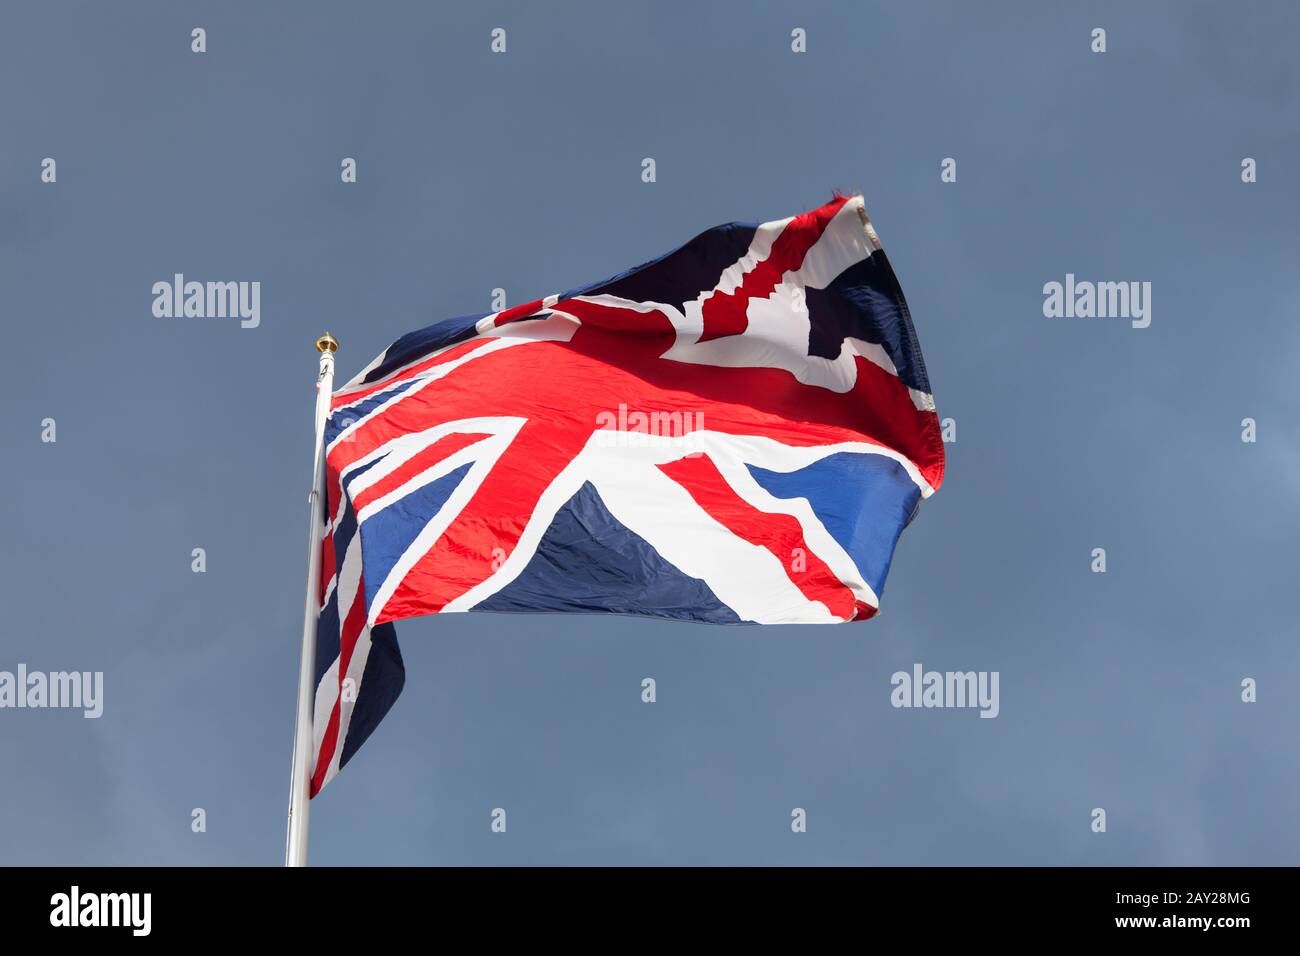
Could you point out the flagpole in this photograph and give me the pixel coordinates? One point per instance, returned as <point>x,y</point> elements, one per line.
<point>295,848</point>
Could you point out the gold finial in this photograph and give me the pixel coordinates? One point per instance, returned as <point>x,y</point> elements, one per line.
<point>327,343</point>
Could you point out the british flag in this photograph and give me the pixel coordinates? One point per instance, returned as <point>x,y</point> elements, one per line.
<point>736,432</point>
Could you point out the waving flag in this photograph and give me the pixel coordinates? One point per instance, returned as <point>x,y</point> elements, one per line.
<point>734,433</point>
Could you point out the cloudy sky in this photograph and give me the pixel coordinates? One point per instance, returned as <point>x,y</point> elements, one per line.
<point>522,171</point>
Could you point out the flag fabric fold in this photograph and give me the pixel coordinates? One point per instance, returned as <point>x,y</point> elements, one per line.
<point>737,432</point>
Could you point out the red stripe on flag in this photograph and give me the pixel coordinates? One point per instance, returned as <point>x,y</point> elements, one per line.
<point>444,447</point>
<point>780,534</point>
<point>352,628</point>
<point>448,355</point>
<point>618,318</point>
<point>724,312</point>
<point>518,312</point>
<point>488,528</point>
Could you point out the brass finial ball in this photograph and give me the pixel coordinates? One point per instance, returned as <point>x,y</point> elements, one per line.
<point>327,343</point>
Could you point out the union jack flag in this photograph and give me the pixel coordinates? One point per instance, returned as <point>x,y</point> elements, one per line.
<point>736,432</point>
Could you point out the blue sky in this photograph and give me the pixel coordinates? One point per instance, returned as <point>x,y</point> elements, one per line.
<point>1118,690</point>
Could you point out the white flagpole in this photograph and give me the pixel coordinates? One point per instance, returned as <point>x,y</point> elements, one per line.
<point>295,849</point>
